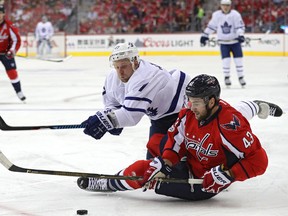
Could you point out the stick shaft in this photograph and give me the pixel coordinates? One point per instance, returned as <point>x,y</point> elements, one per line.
<point>4,126</point>
<point>14,168</point>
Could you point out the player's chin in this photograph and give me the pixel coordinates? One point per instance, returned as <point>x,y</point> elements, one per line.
<point>197,115</point>
<point>124,79</point>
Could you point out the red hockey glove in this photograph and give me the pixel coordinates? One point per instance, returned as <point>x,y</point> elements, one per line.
<point>10,54</point>
<point>157,169</point>
<point>216,180</point>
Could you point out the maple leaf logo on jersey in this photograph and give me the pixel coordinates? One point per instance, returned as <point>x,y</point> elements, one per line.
<point>226,28</point>
<point>232,125</point>
<point>151,111</point>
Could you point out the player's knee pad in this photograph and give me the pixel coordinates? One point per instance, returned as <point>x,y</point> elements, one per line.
<point>12,74</point>
<point>153,144</point>
<point>136,169</point>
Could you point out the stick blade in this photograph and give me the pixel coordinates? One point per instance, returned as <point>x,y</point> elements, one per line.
<point>5,161</point>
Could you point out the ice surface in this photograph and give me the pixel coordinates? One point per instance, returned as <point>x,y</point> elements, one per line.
<point>68,92</point>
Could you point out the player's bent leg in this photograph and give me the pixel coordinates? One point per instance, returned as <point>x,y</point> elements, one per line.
<point>182,191</point>
<point>247,108</point>
<point>261,108</point>
<point>111,185</point>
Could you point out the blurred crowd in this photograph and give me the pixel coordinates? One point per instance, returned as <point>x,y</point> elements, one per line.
<point>263,15</point>
<point>140,16</point>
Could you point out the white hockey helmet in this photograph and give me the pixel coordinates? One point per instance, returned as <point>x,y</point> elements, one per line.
<point>125,50</point>
<point>226,2</point>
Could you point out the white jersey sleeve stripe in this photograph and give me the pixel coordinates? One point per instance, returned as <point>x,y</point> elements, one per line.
<point>177,95</point>
<point>235,151</point>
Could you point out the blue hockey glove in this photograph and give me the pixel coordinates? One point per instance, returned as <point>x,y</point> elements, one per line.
<point>97,125</point>
<point>216,180</point>
<point>116,131</point>
<point>157,169</point>
<point>203,40</point>
<point>241,39</point>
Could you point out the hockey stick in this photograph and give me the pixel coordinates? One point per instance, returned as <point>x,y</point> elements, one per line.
<point>43,59</point>
<point>6,127</point>
<point>12,167</point>
<point>47,59</point>
<point>247,39</point>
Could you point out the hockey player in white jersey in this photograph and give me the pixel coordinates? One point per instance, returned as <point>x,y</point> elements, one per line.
<point>230,30</point>
<point>43,33</point>
<point>135,88</point>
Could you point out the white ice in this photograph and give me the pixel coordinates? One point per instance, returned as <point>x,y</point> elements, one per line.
<point>67,93</point>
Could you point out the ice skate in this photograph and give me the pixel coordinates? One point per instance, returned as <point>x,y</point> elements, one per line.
<point>21,96</point>
<point>242,81</point>
<point>227,81</point>
<point>274,110</point>
<point>93,184</point>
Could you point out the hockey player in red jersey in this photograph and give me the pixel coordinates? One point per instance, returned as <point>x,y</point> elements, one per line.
<point>136,87</point>
<point>10,42</point>
<point>215,141</point>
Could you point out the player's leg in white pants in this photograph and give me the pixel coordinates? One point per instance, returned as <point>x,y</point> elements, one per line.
<point>226,70</point>
<point>247,108</point>
<point>240,70</point>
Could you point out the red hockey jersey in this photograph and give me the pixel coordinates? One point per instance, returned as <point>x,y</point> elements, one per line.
<point>226,138</point>
<point>9,37</point>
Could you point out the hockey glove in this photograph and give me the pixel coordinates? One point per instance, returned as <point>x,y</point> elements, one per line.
<point>203,40</point>
<point>116,131</point>
<point>97,125</point>
<point>241,39</point>
<point>10,54</point>
<point>157,169</point>
<point>216,180</point>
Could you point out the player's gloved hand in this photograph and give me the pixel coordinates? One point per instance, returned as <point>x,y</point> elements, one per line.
<point>203,40</point>
<point>241,39</point>
<point>10,54</point>
<point>157,169</point>
<point>97,125</point>
<point>216,180</point>
<point>116,131</point>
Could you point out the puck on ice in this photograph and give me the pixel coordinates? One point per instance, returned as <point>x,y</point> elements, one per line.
<point>82,212</point>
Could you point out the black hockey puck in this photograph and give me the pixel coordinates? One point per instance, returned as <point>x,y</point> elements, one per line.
<point>82,212</point>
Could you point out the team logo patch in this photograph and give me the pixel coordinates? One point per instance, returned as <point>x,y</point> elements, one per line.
<point>151,111</point>
<point>226,28</point>
<point>203,148</point>
<point>232,125</point>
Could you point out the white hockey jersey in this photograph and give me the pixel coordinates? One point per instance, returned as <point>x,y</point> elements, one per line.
<point>228,26</point>
<point>44,31</point>
<point>151,91</point>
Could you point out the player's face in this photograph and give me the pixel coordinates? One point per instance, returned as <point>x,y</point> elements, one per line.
<point>225,8</point>
<point>198,107</point>
<point>124,69</point>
